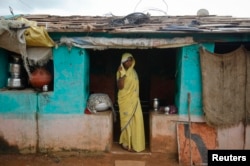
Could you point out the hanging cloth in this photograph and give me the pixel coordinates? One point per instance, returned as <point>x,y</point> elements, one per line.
<point>224,87</point>
<point>248,88</point>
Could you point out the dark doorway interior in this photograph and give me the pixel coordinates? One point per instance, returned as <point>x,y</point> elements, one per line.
<point>225,47</point>
<point>156,69</point>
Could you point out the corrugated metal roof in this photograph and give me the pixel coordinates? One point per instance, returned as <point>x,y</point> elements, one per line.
<point>138,22</point>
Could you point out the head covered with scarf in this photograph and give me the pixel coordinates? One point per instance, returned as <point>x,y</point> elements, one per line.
<point>125,58</point>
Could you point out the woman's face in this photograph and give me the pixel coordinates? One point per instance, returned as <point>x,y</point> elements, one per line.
<point>128,63</point>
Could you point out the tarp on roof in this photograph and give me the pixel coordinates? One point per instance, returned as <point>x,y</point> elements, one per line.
<point>16,35</point>
<point>104,43</point>
<point>14,42</point>
<point>36,35</point>
<point>32,34</point>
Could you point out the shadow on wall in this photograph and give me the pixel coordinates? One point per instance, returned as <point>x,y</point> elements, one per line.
<point>6,148</point>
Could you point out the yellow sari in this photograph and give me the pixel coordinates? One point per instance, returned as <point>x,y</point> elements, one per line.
<point>131,118</point>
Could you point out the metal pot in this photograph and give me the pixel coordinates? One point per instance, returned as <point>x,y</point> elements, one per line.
<point>15,83</point>
<point>15,70</point>
<point>40,77</point>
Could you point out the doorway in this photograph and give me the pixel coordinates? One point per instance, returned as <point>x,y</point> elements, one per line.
<point>156,70</point>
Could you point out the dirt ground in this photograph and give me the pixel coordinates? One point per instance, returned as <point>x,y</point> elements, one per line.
<point>86,159</point>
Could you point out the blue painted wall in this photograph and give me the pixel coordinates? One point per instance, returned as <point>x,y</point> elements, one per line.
<point>188,79</point>
<point>14,103</point>
<point>18,104</point>
<point>71,86</point>
<point>71,83</point>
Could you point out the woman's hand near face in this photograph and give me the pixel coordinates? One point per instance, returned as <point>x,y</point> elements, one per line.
<point>121,79</point>
<point>121,72</point>
<point>119,68</point>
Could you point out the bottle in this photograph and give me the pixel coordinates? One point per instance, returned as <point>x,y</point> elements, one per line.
<point>156,104</point>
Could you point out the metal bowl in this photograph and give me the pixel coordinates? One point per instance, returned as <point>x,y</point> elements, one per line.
<point>101,107</point>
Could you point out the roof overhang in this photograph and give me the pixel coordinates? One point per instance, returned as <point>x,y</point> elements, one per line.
<point>129,43</point>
